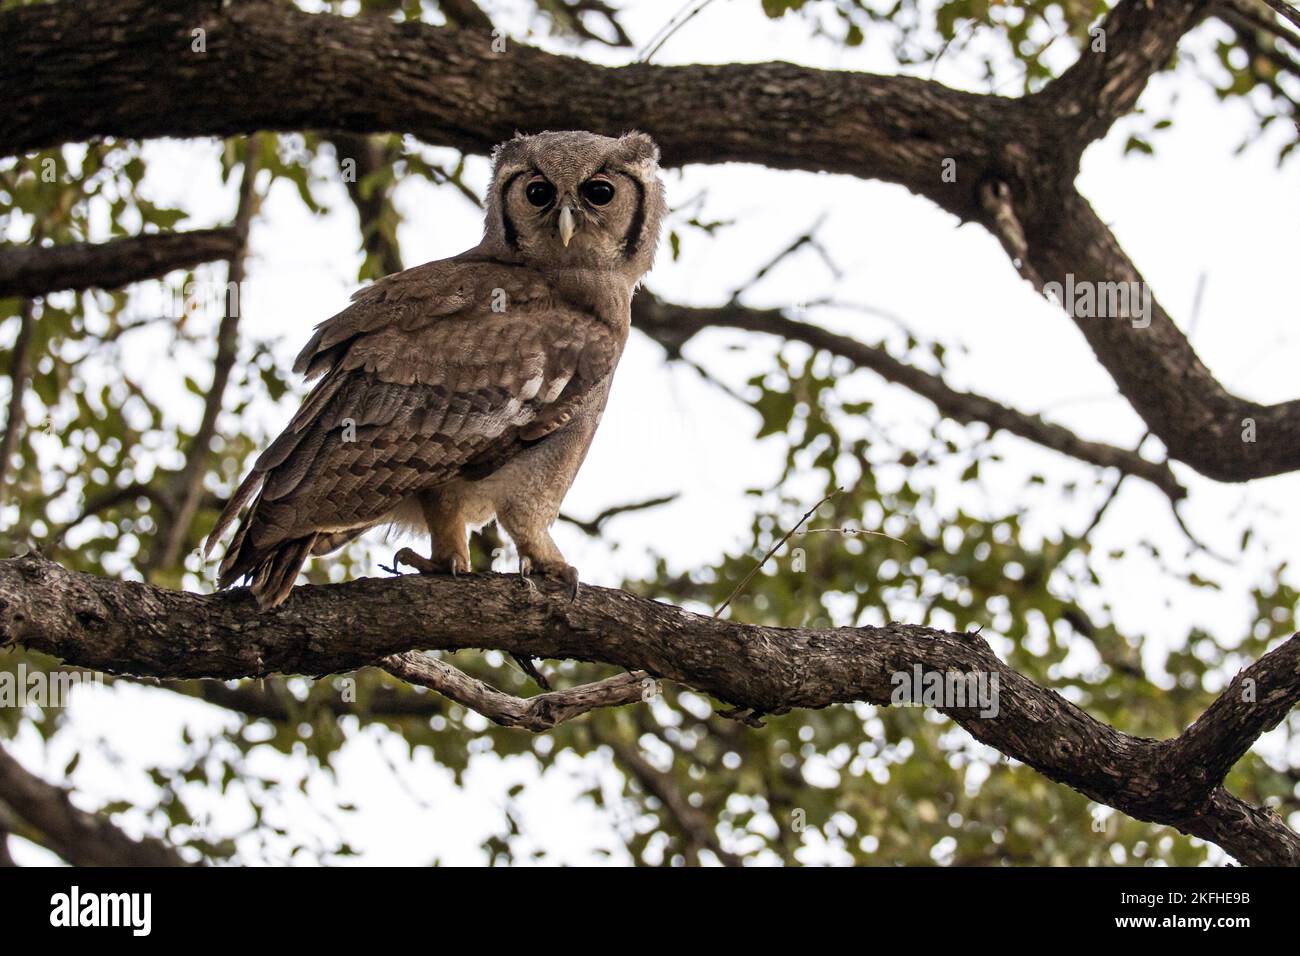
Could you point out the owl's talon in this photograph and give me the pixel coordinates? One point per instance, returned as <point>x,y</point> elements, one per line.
<point>570,577</point>
<point>453,565</point>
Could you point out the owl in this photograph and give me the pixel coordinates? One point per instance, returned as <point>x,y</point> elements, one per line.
<point>465,389</point>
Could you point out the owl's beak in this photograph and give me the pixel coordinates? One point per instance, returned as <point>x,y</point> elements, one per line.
<point>568,225</point>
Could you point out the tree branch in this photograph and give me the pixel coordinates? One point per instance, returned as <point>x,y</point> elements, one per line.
<point>37,270</point>
<point>369,156</point>
<point>83,839</point>
<point>697,828</point>
<point>538,713</point>
<point>1201,423</point>
<point>136,628</point>
<point>106,66</point>
<point>672,325</point>
<point>1138,39</point>
<point>1285,10</point>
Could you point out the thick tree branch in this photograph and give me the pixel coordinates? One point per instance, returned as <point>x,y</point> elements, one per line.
<point>672,325</point>
<point>1201,423</point>
<point>106,66</point>
<point>37,270</point>
<point>1138,39</point>
<point>136,628</point>
<point>83,839</point>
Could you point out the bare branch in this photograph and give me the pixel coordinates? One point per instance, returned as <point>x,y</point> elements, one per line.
<point>1285,10</point>
<point>593,527</point>
<point>83,839</point>
<point>37,270</point>
<point>673,325</point>
<point>538,713</point>
<point>694,824</point>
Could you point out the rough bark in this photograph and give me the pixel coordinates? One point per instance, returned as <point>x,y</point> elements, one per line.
<point>126,627</point>
<point>105,66</point>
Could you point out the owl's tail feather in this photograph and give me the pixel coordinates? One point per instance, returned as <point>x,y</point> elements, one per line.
<point>270,571</point>
<point>273,578</point>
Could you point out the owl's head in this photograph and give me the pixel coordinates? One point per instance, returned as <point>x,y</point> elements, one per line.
<point>576,199</point>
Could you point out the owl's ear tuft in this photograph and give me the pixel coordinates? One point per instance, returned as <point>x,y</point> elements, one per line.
<point>638,147</point>
<point>510,150</point>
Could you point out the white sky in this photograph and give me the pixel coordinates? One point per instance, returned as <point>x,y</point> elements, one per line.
<point>1196,208</point>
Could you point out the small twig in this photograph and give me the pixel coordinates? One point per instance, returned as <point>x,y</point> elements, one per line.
<point>807,238</point>
<point>1285,10</point>
<point>851,531</point>
<point>594,526</point>
<point>934,64</point>
<point>772,550</point>
<point>676,23</point>
<point>743,715</point>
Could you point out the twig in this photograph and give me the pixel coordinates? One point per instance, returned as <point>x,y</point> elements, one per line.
<point>593,526</point>
<point>851,531</point>
<point>772,550</point>
<point>1285,10</point>
<point>695,825</point>
<point>673,25</point>
<point>807,238</point>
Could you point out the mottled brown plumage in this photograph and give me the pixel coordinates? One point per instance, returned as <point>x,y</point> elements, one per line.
<point>468,388</point>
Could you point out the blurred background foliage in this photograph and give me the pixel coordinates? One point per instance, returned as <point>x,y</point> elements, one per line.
<point>95,479</point>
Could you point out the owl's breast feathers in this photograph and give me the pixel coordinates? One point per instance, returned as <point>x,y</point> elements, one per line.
<point>446,370</point>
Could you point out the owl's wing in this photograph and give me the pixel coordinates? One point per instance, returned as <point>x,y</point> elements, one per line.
<point>422,381</point>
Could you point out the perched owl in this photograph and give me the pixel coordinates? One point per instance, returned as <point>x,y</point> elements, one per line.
<point>468,388</point>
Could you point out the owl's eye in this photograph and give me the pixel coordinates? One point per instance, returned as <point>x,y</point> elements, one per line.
<point>539,192</point>
<point>598,192</point>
